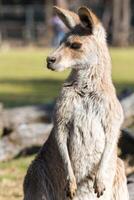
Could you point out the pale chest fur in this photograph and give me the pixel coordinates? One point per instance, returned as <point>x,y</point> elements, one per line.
<point>86,137</point>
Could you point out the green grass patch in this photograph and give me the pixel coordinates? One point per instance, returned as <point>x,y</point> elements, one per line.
<point>24,78</point>
<point>123,68</point>
<point>11,170</point>
<point>11,178</point>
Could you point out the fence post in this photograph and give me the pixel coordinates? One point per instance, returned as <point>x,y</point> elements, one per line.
<point>0,27</point>
<point>29,24</point>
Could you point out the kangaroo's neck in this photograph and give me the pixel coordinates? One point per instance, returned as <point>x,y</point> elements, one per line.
<point>94,78</point>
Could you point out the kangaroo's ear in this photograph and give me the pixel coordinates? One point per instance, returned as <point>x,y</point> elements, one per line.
<point>88,18</point>
<point>69,18</point>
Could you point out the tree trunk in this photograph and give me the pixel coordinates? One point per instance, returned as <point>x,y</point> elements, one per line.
<point>48,11</point>
<point>121,22</point>
<point>1,119</point>
<point>128,108</point>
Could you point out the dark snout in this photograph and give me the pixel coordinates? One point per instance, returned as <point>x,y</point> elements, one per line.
<point>50,62</point>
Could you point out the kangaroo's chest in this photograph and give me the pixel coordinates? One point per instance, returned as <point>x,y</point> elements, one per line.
<point>86,116</point>
<point>86,135</point>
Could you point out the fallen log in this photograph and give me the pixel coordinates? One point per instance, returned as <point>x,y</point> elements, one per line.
<point>12,118</point>
<point>130,183</point>
<point>25,136</point>
<point>128,108</point>
<point>126,146</point>
<point>22,128</point>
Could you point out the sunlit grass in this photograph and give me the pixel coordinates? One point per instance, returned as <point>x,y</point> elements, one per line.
<point>24,78</point>
<point>11,178</point>
<point>123,68</point>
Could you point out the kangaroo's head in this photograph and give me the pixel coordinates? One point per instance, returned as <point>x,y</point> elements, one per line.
<point>80,47</point>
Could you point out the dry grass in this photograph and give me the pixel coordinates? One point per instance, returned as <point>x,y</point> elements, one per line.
<point>11,178</point>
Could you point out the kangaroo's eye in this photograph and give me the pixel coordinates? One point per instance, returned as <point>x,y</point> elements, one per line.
<point>68,44</point>
<point>75,45</point>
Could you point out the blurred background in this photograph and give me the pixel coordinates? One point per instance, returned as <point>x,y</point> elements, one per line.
<point>23,22</point>
<point>29,30</point>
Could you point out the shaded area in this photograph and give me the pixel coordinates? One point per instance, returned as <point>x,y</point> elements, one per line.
<point>32,91</point>
<point>28,151</point>
<point>38,91</point>
<point>124,86</point>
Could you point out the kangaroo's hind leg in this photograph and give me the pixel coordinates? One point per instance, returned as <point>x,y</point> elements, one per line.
<point>120,191</point>
<point>37,185</point>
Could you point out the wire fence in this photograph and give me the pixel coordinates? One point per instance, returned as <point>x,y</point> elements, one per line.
<point>29,24</point>
<point>25,23</point>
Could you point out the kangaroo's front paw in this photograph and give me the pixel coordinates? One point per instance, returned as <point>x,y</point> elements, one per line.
<point>71,188</point>
<point>99,187</point>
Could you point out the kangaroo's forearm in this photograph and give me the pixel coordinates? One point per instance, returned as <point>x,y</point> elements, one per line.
<point>66,160</point>
<point>111,124</point>
<point>110,145</point>
<point>111,140</point>
<point>61,139</point>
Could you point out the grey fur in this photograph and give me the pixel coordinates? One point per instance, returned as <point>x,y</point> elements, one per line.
<point>79,159</point>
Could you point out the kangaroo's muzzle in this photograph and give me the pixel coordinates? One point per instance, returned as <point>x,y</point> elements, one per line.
<point>50,62</point>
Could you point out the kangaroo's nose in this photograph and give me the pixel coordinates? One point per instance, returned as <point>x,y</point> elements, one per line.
<point>51,60</point>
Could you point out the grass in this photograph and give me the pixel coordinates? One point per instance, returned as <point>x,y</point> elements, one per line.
<point>123,68</point>
<point>25,80</point>
<point>11,178</point>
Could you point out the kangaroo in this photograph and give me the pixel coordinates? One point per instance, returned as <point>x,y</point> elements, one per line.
<point>79,160</point>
